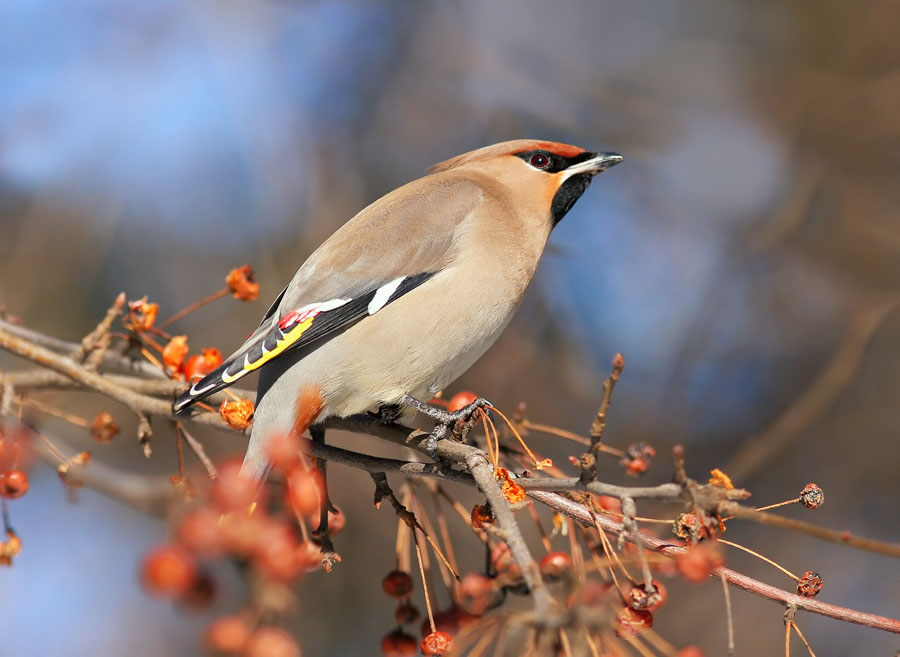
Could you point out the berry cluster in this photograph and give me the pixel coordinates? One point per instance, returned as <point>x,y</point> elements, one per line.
<point>239,518</point>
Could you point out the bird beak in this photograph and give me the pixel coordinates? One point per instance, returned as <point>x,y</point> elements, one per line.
<point>597,164</point>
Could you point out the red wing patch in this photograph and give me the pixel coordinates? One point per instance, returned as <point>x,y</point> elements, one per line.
<point>295,317</point>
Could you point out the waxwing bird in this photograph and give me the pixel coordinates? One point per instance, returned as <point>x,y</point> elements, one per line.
<point>409,293</point>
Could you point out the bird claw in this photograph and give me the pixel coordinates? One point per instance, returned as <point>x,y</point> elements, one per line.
<point>469,410</point>
<point>437,434</point>
<point>441,416</point>
<point>388,413</point>
<point>444,420</point>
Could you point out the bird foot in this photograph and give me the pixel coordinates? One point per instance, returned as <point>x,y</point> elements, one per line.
<point>442,416</point>
<point>388,413</point>
<point>461,421</point>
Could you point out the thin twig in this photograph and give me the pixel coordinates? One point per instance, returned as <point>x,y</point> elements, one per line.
<point>761,557</point>
<point>424,579</point>
<point>830,535</point>
<point>477,463</point>
<point>197,448</point>
<point>802,638</point>
<point>628,509</point>
<point>788,621</point>
<point>98,338</point>
<point>460,454</point>
<point>194,306</point>
<point>728,614</point>
<point>578,512</point>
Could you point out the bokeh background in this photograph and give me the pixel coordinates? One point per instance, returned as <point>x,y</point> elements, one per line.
<point>745,259</point>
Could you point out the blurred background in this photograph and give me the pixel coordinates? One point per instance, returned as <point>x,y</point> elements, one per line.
<point>745,258</point>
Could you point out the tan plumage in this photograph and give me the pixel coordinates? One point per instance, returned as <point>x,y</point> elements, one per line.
<point>473,231</point>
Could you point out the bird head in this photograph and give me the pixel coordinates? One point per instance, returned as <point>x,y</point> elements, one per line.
<point>557,174</point>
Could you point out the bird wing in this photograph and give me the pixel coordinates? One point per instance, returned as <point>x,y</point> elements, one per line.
<point>387,250</point>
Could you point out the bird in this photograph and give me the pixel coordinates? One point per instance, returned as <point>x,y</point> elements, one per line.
<point>408,294</point>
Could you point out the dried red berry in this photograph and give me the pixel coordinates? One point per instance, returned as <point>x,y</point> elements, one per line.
<point>238,414</point>
<point>477,593</point>
<point>9,548</point>
<point>104,428</point>
<point>241,533</point>
<point>688,525</point>
<point>482,514</point>
<point>511,490</point>
<point>397,584</point>
<point>234,491</point>
<point>631,622</point>
<point>168,571</point>
<point>637,459</point>
<point>305,491</point>
<point>200,532</point>
<point>13,484</point>
<point>242,283</point>
<point>227,634</point>
<point>812,497</point>
<point>689,651</point>
<point>609,503</point>
<point>460,400</point>
<point>174,353</point>
<point>278,553</point>
<point>399,644</point>
<point>202,364</point>
<point>270,641</point>
<point>638,597</point>
<point>450,620</point>
<point>810,584</point>
<point>141,315</point>
<point>556,565</point>
<point>283,451</point>
<point>438,643</point>
<point>697,562</point>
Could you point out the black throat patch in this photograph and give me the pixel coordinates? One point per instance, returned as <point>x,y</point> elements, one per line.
<point>565,197</point>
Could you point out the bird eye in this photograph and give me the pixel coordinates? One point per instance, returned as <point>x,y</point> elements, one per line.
<point>540,161</point>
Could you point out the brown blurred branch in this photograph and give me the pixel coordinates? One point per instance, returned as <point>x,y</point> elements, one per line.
<point>137,402</point>
<point>110,358</point>
<point>815,401</point>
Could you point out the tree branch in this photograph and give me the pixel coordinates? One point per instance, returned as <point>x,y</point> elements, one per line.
<point>151,497</point>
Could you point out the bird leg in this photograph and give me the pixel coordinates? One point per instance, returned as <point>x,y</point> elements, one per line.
<point>329,556</point>
<point>443,419</point>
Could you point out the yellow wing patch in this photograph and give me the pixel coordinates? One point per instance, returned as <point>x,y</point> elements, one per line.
<point>289,338</point>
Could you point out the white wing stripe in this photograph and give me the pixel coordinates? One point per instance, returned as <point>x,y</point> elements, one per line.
<point>382,295</point>
<point>325,306</point>
<point>200,391</point>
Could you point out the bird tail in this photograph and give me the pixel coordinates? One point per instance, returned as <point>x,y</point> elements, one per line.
<point>306,410</point>
<point>213,382</point>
